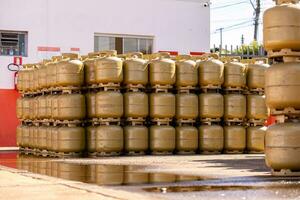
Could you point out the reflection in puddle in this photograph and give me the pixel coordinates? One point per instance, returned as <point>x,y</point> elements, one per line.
<point>97,174</point>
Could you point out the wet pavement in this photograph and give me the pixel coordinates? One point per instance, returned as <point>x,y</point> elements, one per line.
<point>166,177</point>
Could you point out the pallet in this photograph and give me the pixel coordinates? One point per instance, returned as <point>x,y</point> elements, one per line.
<point>235,120</point>
<point>135,153</point>
<point>211,88</point>
<point>161,153</point>
<point>210,119</point>
<point>284,119</point>
<point>66,154</point>
<point>109,87</point>
<point>233,151</point>
<point>134,87</point>
<point>256,122</point>
<point>286,111</point>
<point>257,91</point>
<point>135,121</point>
<point>106,121</point>
<point>210,123</point>
<point>186,152</point>
<point>182,122</point>
<point>161,122</point>
<point>65,90</point>
<point>285,172</point>
<point>283,53</point>
<point>69,123</point>
<point>211,152</point>
<point>185,89</point>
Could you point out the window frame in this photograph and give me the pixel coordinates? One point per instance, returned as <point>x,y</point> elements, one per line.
<point>138,37</point>
<point>19,32</point>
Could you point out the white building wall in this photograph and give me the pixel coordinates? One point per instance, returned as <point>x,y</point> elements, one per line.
<point>177,25</point>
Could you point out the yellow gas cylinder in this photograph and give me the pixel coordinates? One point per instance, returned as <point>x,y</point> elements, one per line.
<point>162,105</point>
<point>162,72</point>
<point>69,71</point>
<point>36,143</point>
<point>36,85</point>
<point>90,99</point>
<point>256,139</point>
<point>34,108</point>
<point>71,171</point>
<point>211,139</point>
<point>91,173</point>
<point>54,139</point>
<point>211,73</point>
<point>42,107</point>
<point>135,71</point>
<point>234,139</point>
<point>234,75</point>
<point>256,76</point>
<point>31,78</point>
<point>19,109</point>
<point>20,81</point>
<point>26,111</point>
<point>26,73</point>
<point>42,76</point>
<point>186,106</point>
<point>109,140</point>
<point>162,139</point>
<point>49,138</point>
<point>133,175</point>
<point>235,106</point>
<point>91,139</point>
<point>19,136</point>
<point>282,148</point>
<point>186,73</point>
<point>186,140</point>
<point>162,178</point>
<point>136,139</point>
<point>109,104</point>
<point>70,107</point>
<point>109,174</point>
<point>109,69</point>
<point>90,68</point>
<point>281,26</point>
<point>70,139</point>
<point>282,84</point>
<point>49,107</point>
<point>211,105</point>
<point>136,105</point>
<point>256,107</point>
<point>42,137</point>
<point>26,136</point>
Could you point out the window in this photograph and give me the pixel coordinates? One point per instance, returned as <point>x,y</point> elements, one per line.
<point>13,43</point>
<point>123,43</point>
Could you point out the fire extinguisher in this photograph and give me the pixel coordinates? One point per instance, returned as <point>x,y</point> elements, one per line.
<point>14,68</point>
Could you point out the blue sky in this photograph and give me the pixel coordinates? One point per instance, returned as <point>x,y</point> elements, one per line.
<point>235,17</point>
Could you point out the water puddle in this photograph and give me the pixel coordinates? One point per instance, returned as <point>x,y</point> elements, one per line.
<point>112,175</point>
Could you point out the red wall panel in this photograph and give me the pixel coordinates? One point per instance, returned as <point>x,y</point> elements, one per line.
<point>8,118</point>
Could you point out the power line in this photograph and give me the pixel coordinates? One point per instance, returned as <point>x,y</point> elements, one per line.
<point>229,5</point>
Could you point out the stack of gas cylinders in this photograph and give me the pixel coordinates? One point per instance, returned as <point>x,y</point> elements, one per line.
<point>52,108</point>
<point>105,104</point>
<point>282,42</point>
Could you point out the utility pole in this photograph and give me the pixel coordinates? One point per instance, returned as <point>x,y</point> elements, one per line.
<point>256,7</point>
<point>221,38</point>
<point>242,40</point>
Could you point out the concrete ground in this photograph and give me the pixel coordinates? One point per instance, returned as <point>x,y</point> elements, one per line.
<point>218,177</point>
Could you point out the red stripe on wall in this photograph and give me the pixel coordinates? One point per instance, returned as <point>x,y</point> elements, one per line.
<point>172,53</point>
<point>75,49</point>
<point>8,118</point>
<point>48,49</point>
<point>194,53</point>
